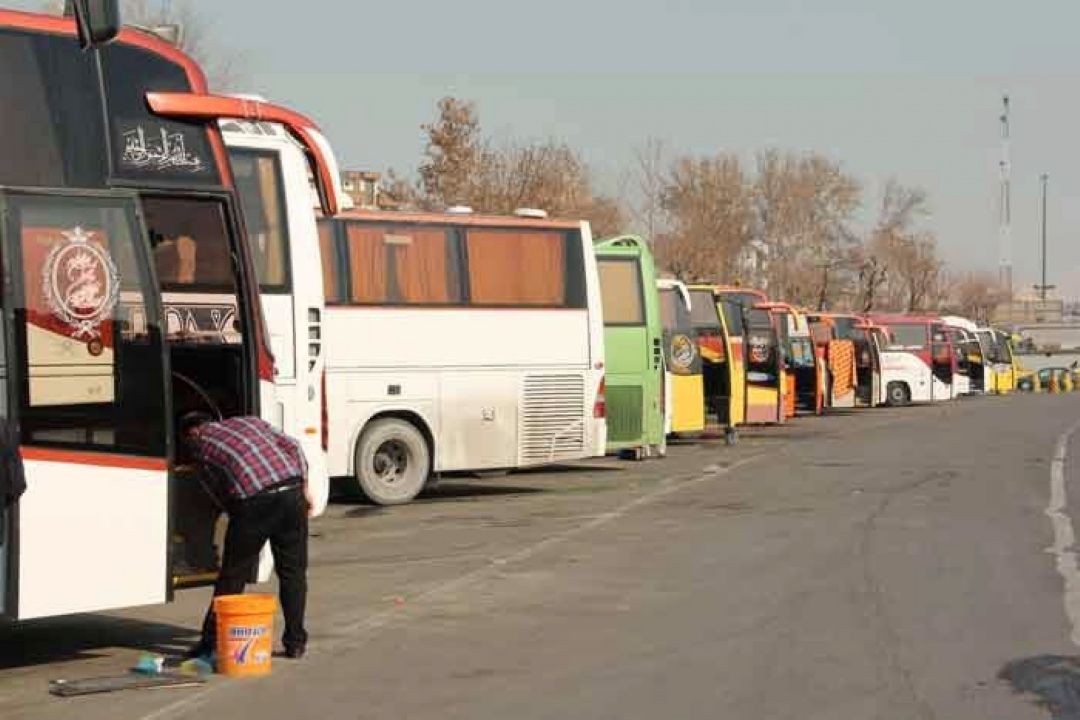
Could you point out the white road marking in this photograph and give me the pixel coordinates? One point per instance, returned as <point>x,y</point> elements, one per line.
<point>1063,549</point>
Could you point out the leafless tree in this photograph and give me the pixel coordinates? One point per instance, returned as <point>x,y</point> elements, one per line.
<point>221,65</point>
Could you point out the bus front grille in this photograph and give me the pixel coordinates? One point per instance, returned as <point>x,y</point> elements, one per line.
<point>552,419</point>
<point>624,413</point>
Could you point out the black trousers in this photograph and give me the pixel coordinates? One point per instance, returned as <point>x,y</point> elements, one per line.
<point>282,519</point>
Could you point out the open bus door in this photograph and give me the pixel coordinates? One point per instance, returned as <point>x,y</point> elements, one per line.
<point>685,393</point>
<point>86,382</point>
<point>868,341</point>
<point>943,366</point>
<point>723,365</point>
<point>764,369</point>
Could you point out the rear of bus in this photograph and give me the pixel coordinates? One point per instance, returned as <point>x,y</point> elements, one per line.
<point>633,347</point>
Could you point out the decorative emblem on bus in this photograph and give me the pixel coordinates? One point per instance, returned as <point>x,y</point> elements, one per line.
<point>80,283</point>
<point>163,150</point>
<point>683,352</point>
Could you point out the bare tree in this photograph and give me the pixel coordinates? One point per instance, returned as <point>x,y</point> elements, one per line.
<point>650,166</point>
<point>221,65</point>
<point>463,167</point>
<point>975,295</point>
<point>804,205</point>
<point>708,205</point>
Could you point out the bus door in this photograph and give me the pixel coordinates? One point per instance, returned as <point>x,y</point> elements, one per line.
<point>86,382</point>
<point>685,392</point>
<point>733,323</point>
<point>976,361</point>
<point>867,366</point>
<point>764,369</point>
<point>942,363</point>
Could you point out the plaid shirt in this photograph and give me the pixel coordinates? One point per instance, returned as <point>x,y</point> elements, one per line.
<point>249,455</point>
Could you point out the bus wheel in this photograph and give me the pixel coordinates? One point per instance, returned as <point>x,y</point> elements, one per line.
<point>392,462</point>
<point>898,394</point>
<point>731,436</point>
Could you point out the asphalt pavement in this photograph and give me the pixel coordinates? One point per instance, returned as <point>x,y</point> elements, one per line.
<point>886,563</point>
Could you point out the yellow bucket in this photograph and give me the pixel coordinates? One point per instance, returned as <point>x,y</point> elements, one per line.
<point>245,634</point>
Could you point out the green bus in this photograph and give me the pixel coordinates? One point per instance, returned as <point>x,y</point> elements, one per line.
<point>633,347</point>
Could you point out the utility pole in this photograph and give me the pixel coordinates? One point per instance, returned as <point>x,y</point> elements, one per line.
<point>1043,287</point>
<point>1005,210</point>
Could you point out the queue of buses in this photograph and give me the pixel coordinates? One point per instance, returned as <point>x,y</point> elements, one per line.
<point>167,249</point>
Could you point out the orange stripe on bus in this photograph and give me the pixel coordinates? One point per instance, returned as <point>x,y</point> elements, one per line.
<point>131,462</point>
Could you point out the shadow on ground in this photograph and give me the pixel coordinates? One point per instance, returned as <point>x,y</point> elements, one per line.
<point>81,637</point>
<point>1054,680</point>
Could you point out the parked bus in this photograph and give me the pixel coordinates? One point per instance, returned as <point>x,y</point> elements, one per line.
<point>765,377</point>
<point>457,342</point>
<point>683,384</point>
<point>805,375</point>
<point>633,341</point>
<point>919,361</point>
<point>971,363</point>
<point>1000,359</point>
<point>721,344</point>
<point>839,359</point>
<point>869,342</point>
<point>133,301</point>
<point>272,181</point>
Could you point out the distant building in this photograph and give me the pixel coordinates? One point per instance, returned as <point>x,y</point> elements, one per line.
<point>362,187</point>
<point>1024,311</point>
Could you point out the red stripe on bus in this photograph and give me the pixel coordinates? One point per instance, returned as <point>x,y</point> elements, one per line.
<point>130,462</point>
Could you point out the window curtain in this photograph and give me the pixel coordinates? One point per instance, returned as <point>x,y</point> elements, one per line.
<point>331,287</point>
<point>517,267</point>
<point>420,267</point>
<point>367,263</point>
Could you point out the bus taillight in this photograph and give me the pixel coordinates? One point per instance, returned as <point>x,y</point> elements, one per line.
<point>599,408</point>
<point>324,416</point>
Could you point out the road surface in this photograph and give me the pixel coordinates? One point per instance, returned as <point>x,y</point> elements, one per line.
<point>899,563</point>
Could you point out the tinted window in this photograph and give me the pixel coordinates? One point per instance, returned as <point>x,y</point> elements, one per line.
<point>703,310</point>
<point>845,328</point>
<point>147,147</point>
<point>87,331</point>
<point>733,315</point>
<point>49,93</point>
<point>262,198</point>
<point>331,264</point>
<point>403,264</point>
<point>908,337</point>
<point>621,292</point>
<point>518,267</point>
<point>194,260</point>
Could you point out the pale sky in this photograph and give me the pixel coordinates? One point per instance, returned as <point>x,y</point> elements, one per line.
<point>910,90</point>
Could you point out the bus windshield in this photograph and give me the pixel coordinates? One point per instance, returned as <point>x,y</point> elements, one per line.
<point>703,311</point>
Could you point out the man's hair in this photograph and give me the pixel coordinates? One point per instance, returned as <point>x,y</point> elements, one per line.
<point>195,418</point>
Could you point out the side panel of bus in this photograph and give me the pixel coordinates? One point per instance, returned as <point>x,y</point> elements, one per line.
<point>633,348</point>
<point>492,383</point>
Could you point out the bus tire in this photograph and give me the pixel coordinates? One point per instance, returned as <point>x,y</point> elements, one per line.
<point>392,462</point>
<point>898,394</point>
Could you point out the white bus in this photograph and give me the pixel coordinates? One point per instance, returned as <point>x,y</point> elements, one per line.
<point>440,342</point>
<point>457,342</point>
<point>272,180</point>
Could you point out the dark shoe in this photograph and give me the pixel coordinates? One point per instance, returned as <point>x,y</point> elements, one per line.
<point>201,650</point>
<point>295,652</point>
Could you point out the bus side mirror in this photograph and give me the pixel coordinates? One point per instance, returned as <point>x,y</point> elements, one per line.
<point>98,21</point>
